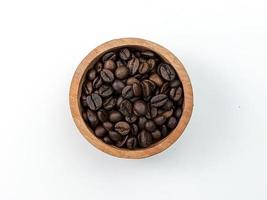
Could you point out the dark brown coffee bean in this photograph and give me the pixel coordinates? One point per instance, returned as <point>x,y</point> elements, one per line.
<point>141,122</point>
<point>164,88</point>
<point>176,93</point>
<point>175,83</point>
<point>159,100</point>
<point>127,92</point>
<point>102,115</point>
<point>108,126</point>
<point>109,56</point>
<point>172,122</point>
<point>160,120</point>
<point>136,89</point>
<point>134,129</point>
<point>131,118</point>
<point>126,107</point>
<point>83,100</point>
<point>122,142</point>
<point>114,136</point>
<point>132,80</point>
<point>156,135</point>
<point>84,115</point>
<point>92,118</point>
<point>115,116</point>
<point>151,112</point>
<point>180,102</point>
<point>91,75</point>
<point>150,126</point>
<point>143,68</point>
<point>134,99</point>
<point>118,85</point>
<point>122,72</point>
<point>156,79</point>
<point>178,113</point>
<point>109,103</point>
<point>100,131</point>
<point>122,127</point>
<point>168,105</point>
<point>107,76</point>
<point>107,140</point>
<point>166,72</point>
<point>139,108</point>
<point>88,88</point>
<point>120,63</point>
<point>94,101</point>
<point>164,131</point>
<point>110,65</point>
<point>133,65</point>
<point>167,114</point>
<point>98,66</point>
<point>97,82</point>
<point>144,139</point>
<point>131,143</point>
<point>119,100</point>
<point>147,87</point>
<point>125,54</point>
<point>151,64</point>
<point>105,91</point>
<point>147,53</point>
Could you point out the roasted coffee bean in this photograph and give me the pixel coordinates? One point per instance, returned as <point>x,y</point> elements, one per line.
<point>147,53</point>
<point>166,72</point>
<point>109,103</point>
<point>160,120</point>
<point>83,101</point>
<point>119,100</point>
<point>110,65</point>
<point>102,115</point>
<point>175,83</point>
<point>147,87</point>
<point>132,80</point>
<point>105,91</point>
<point>97,82</point>
<point>92,118</point>
<point>126,107</point>
<point>143,68</point>
<point>134,129</point>
<point>125,54</point>
<point>167,114</point>
<point>136,89</point>
<point>122,142</point>
<point>131,143</point>
<point>156,79</point>
<point>133,65</point>
<point>84,115</point>
<point>94,101</point>
<point>118,85</point>
<point>115,116</point>
<point>151,112</point>
<point>122,72</point>
<point>164,131</point>
<point>107,76</point>
<point>107,140</point>
<point>120,63</point>
<point>91,75</point>
<point>159,100</point>
<point>131,118</point>
<point>168,105</point>
<point>141,122</point>
<point>100,131</point>
<point>156,135</point>
<point>164,88</point>
<point>144,139</point>
<point>114,136</point>
<point>127,92</point>
<point>108,126</point>
<point>134,99</point>
<point>176,93</point>
<point>151,64</point>
<point>139,108</point>
<point>150,126</point>
<point>98,66</point>
<point>178,113</point>
<point>109,56</point>
<point>172,122</point>
<point>88,88</point>
<point>180,102</point>
<point>122,127</point>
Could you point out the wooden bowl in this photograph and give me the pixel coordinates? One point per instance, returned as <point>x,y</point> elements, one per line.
<point>90,60</point>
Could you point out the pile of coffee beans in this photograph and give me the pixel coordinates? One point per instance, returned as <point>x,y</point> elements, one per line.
<point>131,98</point>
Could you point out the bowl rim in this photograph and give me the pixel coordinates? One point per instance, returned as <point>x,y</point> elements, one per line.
<point>75,88</point>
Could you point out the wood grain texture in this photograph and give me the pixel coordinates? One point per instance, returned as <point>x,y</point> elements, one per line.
<point>88,62</point>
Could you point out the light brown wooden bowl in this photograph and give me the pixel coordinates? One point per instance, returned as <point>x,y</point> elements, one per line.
<point>89,61</point>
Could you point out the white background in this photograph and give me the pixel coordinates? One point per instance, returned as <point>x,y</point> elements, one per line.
<point>222,153</point>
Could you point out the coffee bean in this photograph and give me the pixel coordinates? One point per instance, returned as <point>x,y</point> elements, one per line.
<point>105,91</point>
<point>160,120</point>
<point>118,85</point>
<point>159,100</point>
<point>88,88</point>
<point>172,122</point>
<point>120,63</point>
<point>143,68</point>
<point>136,89</point>
<point>119,100</point>
<point>115,116</point>
<point>100,131</point>
<point>178,113</point>
<point>151,112</point>
<point>144,139</point>
<point>156,79</point>
<point>131,118</point>
<point>150,126</point>
<point>122,72</point>
<point>97,82</point>
<point>131,143</point>
<point>107,75</point>
<point>109,103</point>
<point>134,129</point>
<point>156,135</point>
<point>94,101</point>
<point>110,65</point>
<point>107,140</point>
<point>127,92</point>
<point>114,136</point>
<point>91,75</point>
<point>109,56</point>
<point>168,105</point>
<point>141,122</point>
<point>132,80</point>
<point>125,54</point>
<point>175,83</point>
<point>167,114</point>
<point>139,108</point>
<point>133,65</point>
<point>147,87</point>
<point>166,72</point>
<point>122,141</point>
<point>108,126</point>
<point>83,100</point>
<point>164,88</point>
<point>176,93</point>
<point>102,115</point>
<point>92,118</point>
<point>151,64</point>
<point>98,66</point>
<point>84,115</point>
<point>134,99</point>
<point>164,131</point>
<point>122,127</point>
<point>147,53</point>
<point>126,107</point>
